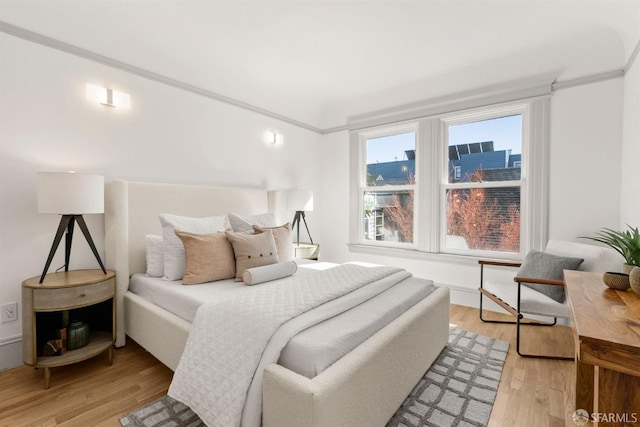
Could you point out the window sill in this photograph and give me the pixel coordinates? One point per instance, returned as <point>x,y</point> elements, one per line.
<point>422,255</point>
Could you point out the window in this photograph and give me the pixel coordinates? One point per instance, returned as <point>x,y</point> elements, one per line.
<point>388,194</point>
<point>483,188</point>
<point>467,183</point>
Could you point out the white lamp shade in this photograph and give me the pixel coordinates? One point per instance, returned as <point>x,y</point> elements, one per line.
<point>68,193</point>
<point>299,200</point>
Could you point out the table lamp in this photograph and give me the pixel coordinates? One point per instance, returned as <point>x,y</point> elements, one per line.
<point>300,201</point>
<point>70,195</point>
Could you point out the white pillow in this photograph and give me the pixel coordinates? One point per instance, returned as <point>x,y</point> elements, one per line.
<point>154,255</point>
<point>245,223</point>
<point>267,273</point>
<point>174,256</point>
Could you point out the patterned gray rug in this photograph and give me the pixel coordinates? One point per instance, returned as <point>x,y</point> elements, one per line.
<point>458,390</point>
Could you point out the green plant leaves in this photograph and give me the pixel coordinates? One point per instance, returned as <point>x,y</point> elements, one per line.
<point>626,243</point>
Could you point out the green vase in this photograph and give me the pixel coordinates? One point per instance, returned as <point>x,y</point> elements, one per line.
<point>77,334</point>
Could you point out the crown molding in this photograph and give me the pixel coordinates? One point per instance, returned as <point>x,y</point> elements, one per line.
<point>594,78</point>
<point>141,72</point>
<point>334,129</point>
<point>479,97</point>
<point>395,113</point>
<point>632,58</point>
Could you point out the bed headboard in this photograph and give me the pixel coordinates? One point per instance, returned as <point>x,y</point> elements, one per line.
<point>131,212</point>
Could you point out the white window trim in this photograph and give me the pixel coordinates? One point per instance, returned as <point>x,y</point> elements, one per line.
<point>358,144</point>
<point>429,204</point>
<point>476,115</point>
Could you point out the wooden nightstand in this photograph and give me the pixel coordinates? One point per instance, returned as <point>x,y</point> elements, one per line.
<point>88,295</point>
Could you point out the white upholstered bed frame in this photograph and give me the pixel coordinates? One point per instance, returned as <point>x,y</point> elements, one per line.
<point>364,388</point>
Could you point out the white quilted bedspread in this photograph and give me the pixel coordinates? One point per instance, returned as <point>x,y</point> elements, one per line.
<point>229,337</point>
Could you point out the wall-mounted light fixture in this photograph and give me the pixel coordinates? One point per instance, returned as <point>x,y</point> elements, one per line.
<point>108,97</point>
<point>273,138</point>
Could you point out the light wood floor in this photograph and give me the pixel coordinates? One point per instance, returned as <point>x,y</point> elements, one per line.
<point>532,392</point>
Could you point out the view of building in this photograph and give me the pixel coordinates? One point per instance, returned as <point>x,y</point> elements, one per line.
<point>467,162</point>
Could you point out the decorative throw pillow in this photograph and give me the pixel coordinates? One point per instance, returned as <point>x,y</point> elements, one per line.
<point>542,265</point>
<point>174,258</point>
<point>252,250</point>
<point>244,224</point>
<point>282,236</point>
<point>154,255</point>
<point>209,257</point>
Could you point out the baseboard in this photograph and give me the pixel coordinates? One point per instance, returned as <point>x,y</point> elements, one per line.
<point>461,295</point>
<point>10,352</point>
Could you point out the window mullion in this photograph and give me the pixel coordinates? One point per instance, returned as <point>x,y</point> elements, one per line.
<point>483,184</point>
<point>431,155</point>
<point>357,180</point>
<point>387,188</point>
<point>537,197</point>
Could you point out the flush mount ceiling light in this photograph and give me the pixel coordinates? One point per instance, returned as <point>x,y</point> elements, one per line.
<point>108,97</point>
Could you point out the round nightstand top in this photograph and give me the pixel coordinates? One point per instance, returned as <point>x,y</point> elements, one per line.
<point>65,279</point>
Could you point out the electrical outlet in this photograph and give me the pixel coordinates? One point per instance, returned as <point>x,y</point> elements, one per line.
<point>9,312</point>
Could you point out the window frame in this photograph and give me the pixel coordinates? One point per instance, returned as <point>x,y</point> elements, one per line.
<point>431,173</point>
<point>362,138</point>
<point>471,117</point>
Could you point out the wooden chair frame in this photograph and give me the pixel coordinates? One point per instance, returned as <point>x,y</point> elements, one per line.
<point>516,311</point>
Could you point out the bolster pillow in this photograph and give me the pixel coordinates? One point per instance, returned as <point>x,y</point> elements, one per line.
<point>266,273</point>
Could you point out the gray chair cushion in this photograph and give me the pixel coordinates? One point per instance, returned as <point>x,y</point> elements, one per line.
<point>542,265</point>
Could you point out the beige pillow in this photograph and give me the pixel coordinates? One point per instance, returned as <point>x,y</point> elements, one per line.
<point>282,236</point>
<point>252,250</point>
<point>209,257</point>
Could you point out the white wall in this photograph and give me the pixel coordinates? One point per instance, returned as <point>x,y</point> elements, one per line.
<point>586,143</point>
<point>630,184</point>
<point>169,135</point>
<point>586,147</point>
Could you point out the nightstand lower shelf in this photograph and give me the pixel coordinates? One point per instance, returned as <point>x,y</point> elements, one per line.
<point>99,343</point>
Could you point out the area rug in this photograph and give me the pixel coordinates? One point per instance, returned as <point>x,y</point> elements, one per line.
<point>458,390</point>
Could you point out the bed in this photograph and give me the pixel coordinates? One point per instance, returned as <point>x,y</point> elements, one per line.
<point>364,387</point>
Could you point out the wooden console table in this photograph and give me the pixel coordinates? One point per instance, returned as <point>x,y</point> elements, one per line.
<point>607,332</point>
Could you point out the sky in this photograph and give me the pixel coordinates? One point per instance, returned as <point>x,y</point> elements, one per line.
<point>505,132</point>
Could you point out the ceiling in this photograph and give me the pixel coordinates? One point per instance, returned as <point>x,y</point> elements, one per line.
<point>321,62</point>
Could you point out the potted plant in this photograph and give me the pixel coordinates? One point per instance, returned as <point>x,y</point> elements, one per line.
<point>626,243</point>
